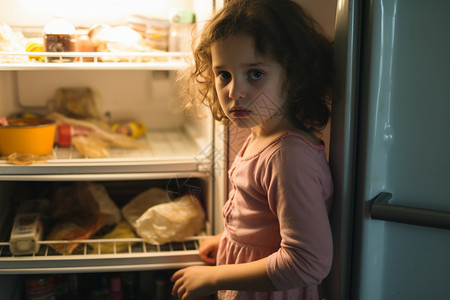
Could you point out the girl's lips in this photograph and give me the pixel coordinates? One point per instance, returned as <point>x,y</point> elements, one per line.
<point>239,112</point>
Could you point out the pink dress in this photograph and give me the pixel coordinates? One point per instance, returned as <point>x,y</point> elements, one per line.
<point>278,207</point>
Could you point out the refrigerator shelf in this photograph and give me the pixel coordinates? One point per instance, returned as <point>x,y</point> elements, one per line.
<point>137,255</point>
<point>161,151</point>
<point>93,60</point>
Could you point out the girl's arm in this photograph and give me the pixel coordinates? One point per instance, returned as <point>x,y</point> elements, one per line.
<point>205,280</point>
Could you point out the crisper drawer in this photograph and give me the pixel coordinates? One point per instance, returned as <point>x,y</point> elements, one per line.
<point>101,250</point>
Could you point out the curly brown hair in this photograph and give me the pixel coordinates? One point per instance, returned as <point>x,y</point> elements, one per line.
<point>282,30</point>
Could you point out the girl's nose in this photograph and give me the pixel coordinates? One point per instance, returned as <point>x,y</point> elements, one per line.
<point>237,89</point>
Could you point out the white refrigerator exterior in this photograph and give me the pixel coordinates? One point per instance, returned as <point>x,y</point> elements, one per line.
<point>390,135</point>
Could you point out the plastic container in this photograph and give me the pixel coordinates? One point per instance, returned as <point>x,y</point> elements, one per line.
<point>155,30</point>
<point>26,233</point>
<point>181,31</point>
<point>28,227</point>
<point>84,44</point>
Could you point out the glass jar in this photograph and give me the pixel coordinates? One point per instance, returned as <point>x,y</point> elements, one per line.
<point>59,36</point>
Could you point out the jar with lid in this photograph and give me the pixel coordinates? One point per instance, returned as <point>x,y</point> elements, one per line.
<point>181,31</point>
<point>59,36</point>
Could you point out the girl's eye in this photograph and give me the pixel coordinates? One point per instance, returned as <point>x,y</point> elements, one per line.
<point>224,76</point>
<point>255,74</point>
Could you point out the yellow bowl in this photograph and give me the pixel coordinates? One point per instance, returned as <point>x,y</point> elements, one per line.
<point>27,136</point>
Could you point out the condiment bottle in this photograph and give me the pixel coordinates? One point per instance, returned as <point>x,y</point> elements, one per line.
<point>59,36</point>
<point>64,134</point>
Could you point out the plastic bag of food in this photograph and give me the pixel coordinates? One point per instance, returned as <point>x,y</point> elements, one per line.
<point>81,198</point>
<point>75,227</point>
<point>99,130</point>
<point>139,204</point>
<point>80,103</point>
<point>172,221</point>
<point>90,146</point>
<point>122,231</point>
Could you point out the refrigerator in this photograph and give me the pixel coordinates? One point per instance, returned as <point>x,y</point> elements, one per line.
<point>389,136</point>
<point>387,143</point>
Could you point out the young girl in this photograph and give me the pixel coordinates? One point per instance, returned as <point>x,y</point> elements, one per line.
<point>264,65</point>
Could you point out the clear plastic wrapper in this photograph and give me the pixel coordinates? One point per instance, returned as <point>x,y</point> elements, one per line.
<point>78,211</point>
<point>75,227</point>
<point>139,204</point>
<point>159,220</point>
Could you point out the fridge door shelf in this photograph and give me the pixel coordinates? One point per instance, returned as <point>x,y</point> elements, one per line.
<point>138,255</point>
<point>93,60</point>
<point>162,151</point>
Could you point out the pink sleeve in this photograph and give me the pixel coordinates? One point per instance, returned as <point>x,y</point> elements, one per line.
<point>299,186</point>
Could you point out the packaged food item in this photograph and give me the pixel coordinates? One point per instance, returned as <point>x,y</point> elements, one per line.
<point>154,30</point>
<point>35,45</point>
<point>59,36</point>
<point>116,292</point>
<point>133,129</point>
<point>26,233</point>
<point>181,31</point>
<point>84,44</point>
<point>83,198</point>
<point>96,144</point>
<point>11,41</point>
<point>123,230</point>
<point>73,228</point>
<point>22,159</point>
<point>173,221</point>
<point>139,204</point>
<point>76,102</point>
<point>77,212</point>
<point>65,133</point>
<point>121,39</point>
<point>39,287</point>
<point>90,146</point>
<point>28,227</point>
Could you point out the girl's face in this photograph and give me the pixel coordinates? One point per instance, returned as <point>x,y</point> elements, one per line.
<point>248,85</point>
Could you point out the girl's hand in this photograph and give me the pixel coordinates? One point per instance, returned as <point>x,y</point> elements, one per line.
<point>193,282</point>
<point>208,249</point>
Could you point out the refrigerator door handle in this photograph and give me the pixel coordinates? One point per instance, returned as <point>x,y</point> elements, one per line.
<point>381,209</point>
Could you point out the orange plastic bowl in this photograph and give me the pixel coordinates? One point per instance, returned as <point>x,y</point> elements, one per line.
<point>27,136</point>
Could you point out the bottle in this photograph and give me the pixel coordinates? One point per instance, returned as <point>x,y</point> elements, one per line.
<point>130,281</point>
<point>116,292</point>
<point>100,290</point>
<point>181,31</point>
<point>59,36</point>
<point>39,287</point>
<point>64,134</point>
<point>160,286</point>
<point>75,290</point>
